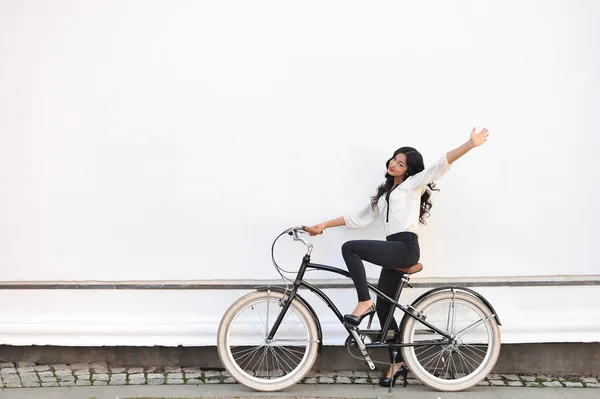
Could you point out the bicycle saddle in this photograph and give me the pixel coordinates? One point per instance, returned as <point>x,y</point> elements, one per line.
<point>412,269</point>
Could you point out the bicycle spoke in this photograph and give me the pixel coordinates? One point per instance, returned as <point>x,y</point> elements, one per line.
<point>299,322</point>
<point>291,352</point>
<point>473,349</point>
<point>431,357</point>
<point>474,354</point>
<point>281,359</point>
<point>462,361</point>
<point>463,316</point>
<point>251,323</point>
<point>465,357</point>
<point>242,351</point>
<point>249,357</point>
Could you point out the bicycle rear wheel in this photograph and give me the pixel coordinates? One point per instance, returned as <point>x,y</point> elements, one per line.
<point>267,365</point>
<point>469,359</point>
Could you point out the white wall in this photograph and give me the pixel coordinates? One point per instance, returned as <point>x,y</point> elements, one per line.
<point>161,140</point>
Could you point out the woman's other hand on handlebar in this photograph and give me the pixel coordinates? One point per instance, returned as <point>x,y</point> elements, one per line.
<point>316,229</point>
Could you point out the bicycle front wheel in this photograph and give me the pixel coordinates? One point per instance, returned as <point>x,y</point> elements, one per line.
<point>254,361</point>
<point>466,361</point>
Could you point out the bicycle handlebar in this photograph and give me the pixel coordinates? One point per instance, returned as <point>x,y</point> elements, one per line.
<point>295,231</point>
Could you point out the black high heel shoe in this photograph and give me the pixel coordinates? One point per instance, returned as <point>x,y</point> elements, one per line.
<point>355,320</point>
<point>390,382</point>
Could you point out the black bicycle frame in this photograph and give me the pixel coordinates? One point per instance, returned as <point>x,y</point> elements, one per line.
<point>299,282</point>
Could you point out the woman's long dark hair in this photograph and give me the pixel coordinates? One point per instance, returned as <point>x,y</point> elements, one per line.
<point>414,163</point>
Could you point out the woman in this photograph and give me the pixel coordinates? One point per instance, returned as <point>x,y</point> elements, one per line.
<point>402,201</point>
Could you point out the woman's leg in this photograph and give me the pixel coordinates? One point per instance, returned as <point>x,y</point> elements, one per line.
<point>389,280</point>
<point>387,254</point>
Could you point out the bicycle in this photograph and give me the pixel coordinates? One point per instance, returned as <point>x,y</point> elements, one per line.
<point>269,339</point>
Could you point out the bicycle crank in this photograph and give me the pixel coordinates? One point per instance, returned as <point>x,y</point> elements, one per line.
<point>354,341</point>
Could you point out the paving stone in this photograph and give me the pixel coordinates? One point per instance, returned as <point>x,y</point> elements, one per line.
<point>23,370</point>
<point>192,370</point>
<point>60,367</point>
<point>589,380</point>
<point>118,370</point>
<point>593,385</point>
<point>361,380</point>
<point>46,374</point>
<point>311,373</point>
<point>173,370</point>
<point>159,370</point>
<point>42,368</point>
<point>80,366</point>
<point>175,376</point>
<point>193,375</point>
<point>65,379</point>
<point>552,384</point>
<point>532,384</point>
<point>99,370</point>
<point>311,380</point>
<point>484,383</point>
<point>330,374</point>
<point>571,384</point>
<point>135,370</point>
<point>118,376</point>
<point>49,384</point>
<point>515,384</point>
<point>229,380</point>
<point>175,381</point>
<point>66,383</point>
<point>100,377</point>
<point>211,373</point>
<point>156,381</point>
<point>510,377</point>
<point>13,384</point>
<point>81,372</point>
<point>118,381</point>
<point>63,372</point>
<point>29,376</point>
<point>136,378</point>
<point>212,381</point>
<point>2,365</point>
<point>99,364</point>
<point>30,383</point>
<point>8,370</point>
<point>326,380</point>
<point>529,378</point>
<point>494,377</point>
<point>497,383</point>
<point>153,376</point>
<point>26,364</point>
<point>12,378</point>
<point>83,377</point>
<point>100,383</point>
<point>544,377</point>
<point>344,380</point>
<point>81,382</point>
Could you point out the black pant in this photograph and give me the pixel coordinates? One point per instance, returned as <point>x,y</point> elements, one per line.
<point>399,250</point>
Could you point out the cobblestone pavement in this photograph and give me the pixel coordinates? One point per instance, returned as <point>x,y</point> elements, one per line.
<point>30,375</point>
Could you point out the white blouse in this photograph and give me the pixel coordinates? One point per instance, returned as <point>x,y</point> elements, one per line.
<point>405,202</point>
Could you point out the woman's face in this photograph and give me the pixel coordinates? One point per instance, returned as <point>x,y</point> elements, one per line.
<point>397,166</point>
